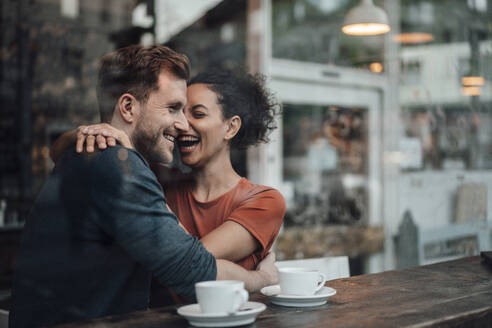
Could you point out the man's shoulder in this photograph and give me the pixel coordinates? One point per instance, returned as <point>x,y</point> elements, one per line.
<point>110,156</point>
<point>116,163</point>
<point>116,155</point>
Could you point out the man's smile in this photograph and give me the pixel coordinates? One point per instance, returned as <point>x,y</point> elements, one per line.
<point>169,137</point>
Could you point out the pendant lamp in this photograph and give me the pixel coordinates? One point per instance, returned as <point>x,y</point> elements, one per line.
<point>366,19</point>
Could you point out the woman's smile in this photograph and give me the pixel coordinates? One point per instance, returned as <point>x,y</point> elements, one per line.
<point>187,143</point>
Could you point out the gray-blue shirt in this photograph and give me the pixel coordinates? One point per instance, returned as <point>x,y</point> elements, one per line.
<point>98,230</point>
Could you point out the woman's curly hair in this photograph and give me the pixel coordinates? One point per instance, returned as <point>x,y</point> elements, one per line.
<point>243,94</point>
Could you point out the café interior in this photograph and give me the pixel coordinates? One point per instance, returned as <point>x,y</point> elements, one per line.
<point>383,150</point>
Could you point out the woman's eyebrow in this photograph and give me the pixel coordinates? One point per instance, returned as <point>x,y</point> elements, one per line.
<point>198,106</point>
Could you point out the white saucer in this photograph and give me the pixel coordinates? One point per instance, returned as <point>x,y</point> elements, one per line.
<point>276,297</point>
<point>245,315</point>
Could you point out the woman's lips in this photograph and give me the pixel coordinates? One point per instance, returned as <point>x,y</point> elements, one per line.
<point>187,143</point>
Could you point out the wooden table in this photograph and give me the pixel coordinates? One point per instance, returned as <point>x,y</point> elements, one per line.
<point>449,294</point>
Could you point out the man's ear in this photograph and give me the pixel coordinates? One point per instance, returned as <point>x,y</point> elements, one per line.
<point>128,108</point>
<point>233,126</point>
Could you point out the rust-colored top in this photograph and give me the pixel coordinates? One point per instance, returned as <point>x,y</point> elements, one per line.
<point>259,209</point>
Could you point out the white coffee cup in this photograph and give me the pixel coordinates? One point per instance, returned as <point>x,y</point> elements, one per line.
<point>300,281</point>
<point>222,296</point>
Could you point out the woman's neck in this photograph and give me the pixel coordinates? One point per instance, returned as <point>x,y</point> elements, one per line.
<point>214,179</point>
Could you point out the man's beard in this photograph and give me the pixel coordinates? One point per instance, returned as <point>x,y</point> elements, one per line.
<point>147,146</point>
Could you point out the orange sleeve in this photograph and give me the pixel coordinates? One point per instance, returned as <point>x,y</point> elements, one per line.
<point>171,195</point>
<point>262,215</point>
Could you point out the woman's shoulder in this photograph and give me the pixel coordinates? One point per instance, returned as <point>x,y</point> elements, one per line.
<point>260,202</point>
<point>253,190</point>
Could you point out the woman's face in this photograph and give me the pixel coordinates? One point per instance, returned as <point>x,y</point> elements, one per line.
<point>205,138</point>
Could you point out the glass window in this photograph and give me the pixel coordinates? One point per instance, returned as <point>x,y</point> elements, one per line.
<point>49,58</point>
<point>309,30</point>
<point>325,160</point>
<point>373,127</point>
<point>447,116</point>
<point>441,138</point>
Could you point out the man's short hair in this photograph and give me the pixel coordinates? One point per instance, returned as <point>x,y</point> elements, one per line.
<point>135,70</point>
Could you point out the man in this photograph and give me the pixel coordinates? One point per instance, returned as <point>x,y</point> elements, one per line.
<point>100,226</point>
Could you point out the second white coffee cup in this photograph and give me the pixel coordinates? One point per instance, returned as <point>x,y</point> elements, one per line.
<point>300,281</point>
<point>223,296</point>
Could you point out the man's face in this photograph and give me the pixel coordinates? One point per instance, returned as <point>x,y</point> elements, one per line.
<point>161,119</point>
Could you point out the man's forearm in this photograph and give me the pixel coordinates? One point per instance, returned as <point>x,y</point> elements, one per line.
<point>253,280</point>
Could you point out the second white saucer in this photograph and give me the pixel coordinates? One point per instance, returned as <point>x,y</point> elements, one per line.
<point>276,297</point>
<point>245,315</point>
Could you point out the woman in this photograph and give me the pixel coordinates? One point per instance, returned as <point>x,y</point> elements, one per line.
<point>234,218</point>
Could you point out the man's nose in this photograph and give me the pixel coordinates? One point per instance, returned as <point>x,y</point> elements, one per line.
<point>181,122</point>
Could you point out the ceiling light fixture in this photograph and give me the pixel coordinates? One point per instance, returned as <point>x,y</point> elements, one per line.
<point>471,91</point>
<point>376,67</point>
<point>413,38</point>
<point>472,81</point>
<point>366,19</point>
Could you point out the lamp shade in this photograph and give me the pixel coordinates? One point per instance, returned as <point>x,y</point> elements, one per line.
<point>471,91</point>
<point>413,38</point>
<point>472,81</point>
<point>366,19</point>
